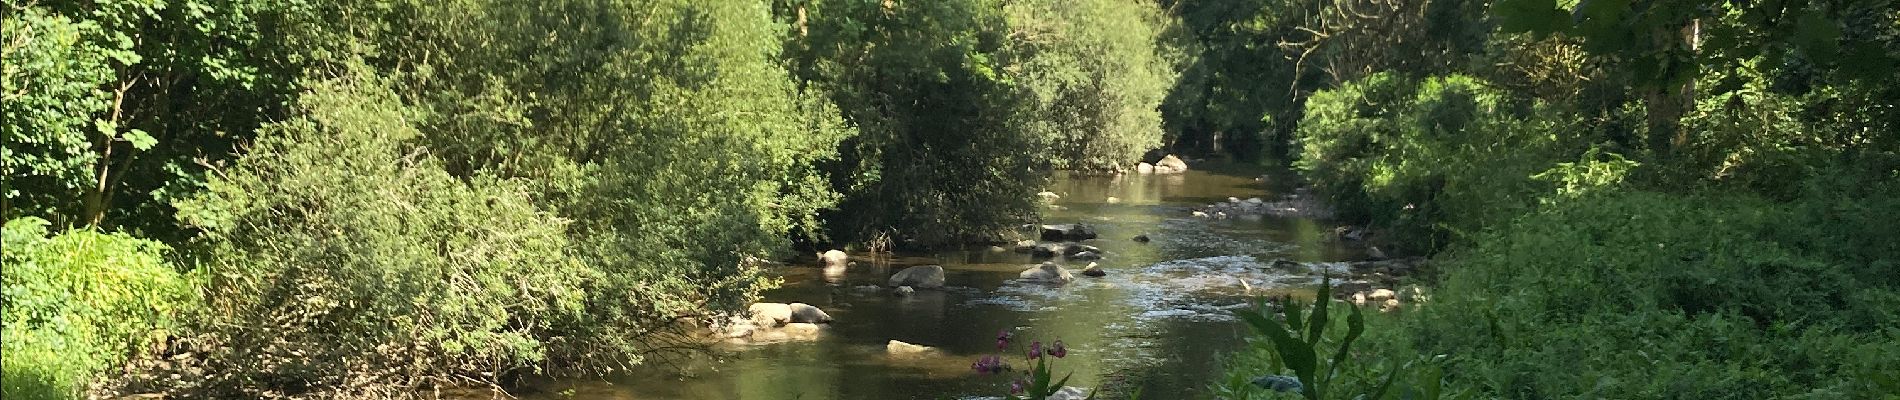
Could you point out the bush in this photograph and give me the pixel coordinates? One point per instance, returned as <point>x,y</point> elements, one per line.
<point>1649,295</point>
<point>1432,158</point>
<point>342,257</point>
<point>78,303</point>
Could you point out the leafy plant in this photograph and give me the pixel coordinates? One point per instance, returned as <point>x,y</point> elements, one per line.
<point>1324,367</point>
<point>78,303</point>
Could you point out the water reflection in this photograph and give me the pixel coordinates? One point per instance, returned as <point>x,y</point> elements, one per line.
<point>1157,322</point>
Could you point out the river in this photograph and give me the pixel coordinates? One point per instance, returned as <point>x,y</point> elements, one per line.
<point>1157,322</point>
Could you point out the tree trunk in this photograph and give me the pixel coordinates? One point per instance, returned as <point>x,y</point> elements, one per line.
<point>1668,102</point>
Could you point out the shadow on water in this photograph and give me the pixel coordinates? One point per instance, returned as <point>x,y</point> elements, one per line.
<point>1158,321</point>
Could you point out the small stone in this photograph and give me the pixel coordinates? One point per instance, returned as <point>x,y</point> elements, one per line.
<point>1113,200</point>
<point>903,291</point>
<point>1390,305</point>
<point>1086,255</point>
<point>1141,239</point>
<point>1094,271</point>
<point>1382,295</point>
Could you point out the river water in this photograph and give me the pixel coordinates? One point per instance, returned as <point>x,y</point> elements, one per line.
<point>1158,322</point>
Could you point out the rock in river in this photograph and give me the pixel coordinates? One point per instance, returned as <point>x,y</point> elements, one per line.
<point>807,313</point>
<point>1094,271</point>
<point>1046,273</point>
<point>834,258</point>
<point>922,277</point>
<point>1170,165</point>
<point>770,314</point>
<point>1061,232</point>
<point>900,348</point>
<point>1086,255</point>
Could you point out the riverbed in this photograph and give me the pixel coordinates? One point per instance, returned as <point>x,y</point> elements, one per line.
<point>1159,321</point>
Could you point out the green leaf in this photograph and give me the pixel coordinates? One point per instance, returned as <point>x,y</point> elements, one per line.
<point>139,139</point>
<point>1317,321</point>
<point>1298,355</point>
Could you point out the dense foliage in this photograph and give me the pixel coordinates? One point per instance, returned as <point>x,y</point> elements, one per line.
<point>373,198</point>
<point>78,303</point>
<point>1619,213</point>
<point>1097,77</point>
<point>388,196</point>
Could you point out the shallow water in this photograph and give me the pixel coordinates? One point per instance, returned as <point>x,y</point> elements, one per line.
<point>1158,321</point>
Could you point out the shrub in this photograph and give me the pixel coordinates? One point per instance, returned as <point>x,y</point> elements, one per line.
<point>1432,158</point>
<point>342,257</point>
<point>1647,295</point>
<point>78,303</point>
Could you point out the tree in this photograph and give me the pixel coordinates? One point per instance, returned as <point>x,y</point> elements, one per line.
<point>1096,75</point>
<point>1666,44</point>
<point>942,119</point>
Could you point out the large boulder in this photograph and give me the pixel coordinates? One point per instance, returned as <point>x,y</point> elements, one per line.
<point>921,277</point>
<point>1170,165</point>
<point>806,313</point>
<point>1046,273</point>
<point>1069,232</point>
<point>770,314</point>
<point>834,259</point>
<point>1144,168</point>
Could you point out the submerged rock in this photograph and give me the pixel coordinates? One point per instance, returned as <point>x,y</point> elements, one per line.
<point>900,348</point>
<point>903,291</point>
<point>1069,393</point>
<point>922,276</point>
<point>1046,273</point>
<point>1086,255</point>
<point>1061,232</point>
<point>1141,238</point>
<point>1075,249</point>
<point>793,332</point>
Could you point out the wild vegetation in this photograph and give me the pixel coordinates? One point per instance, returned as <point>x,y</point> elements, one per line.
<point>283,198</point>
<point>1626,199</point>
<point>374,198</point>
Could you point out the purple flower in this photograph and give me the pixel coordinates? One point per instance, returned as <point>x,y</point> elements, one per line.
<point>1057,349</point>
<point>1018,387</point>
<point>989,364</point>
<point>1035,350</point>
